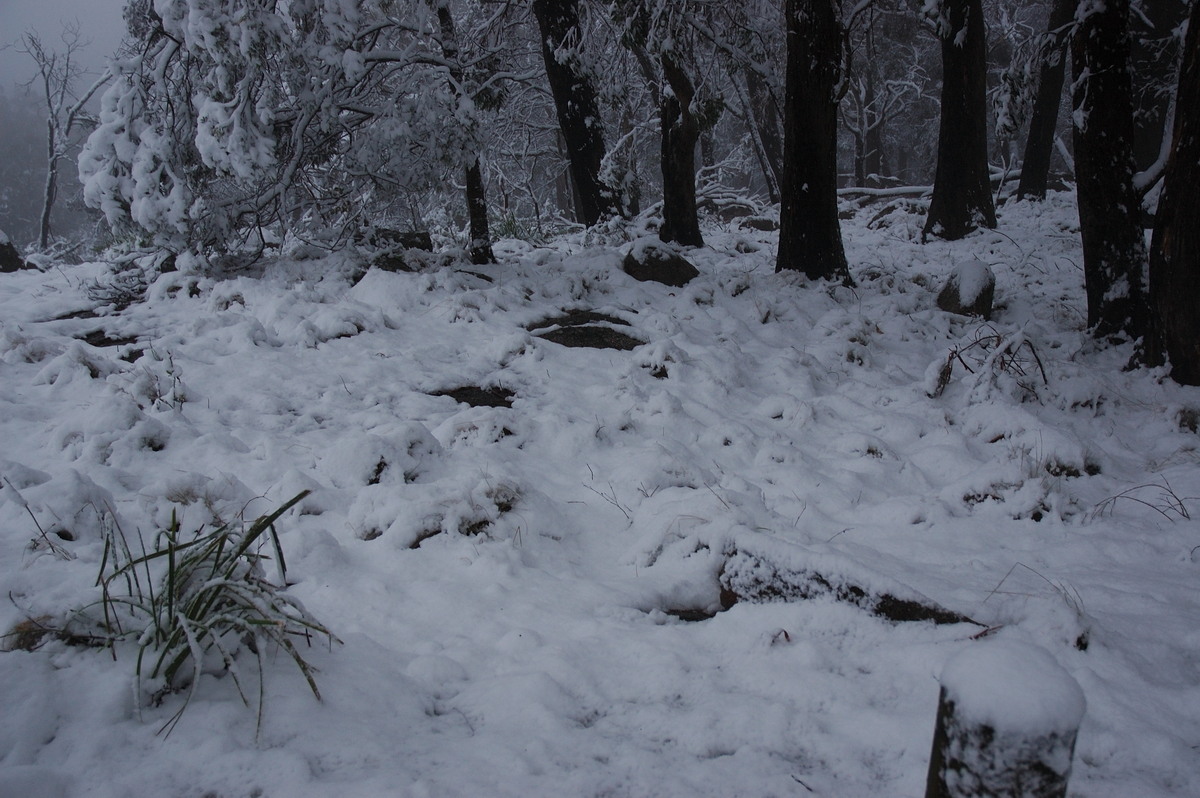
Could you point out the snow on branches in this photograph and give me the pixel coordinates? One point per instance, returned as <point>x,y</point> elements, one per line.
<point>228,116</point>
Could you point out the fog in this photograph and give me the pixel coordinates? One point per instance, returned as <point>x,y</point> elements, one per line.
<point>99,20</point>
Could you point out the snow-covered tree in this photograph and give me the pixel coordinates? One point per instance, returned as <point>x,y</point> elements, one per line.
<point>230,117</point>
<point>886,80</point>
<point>58,72</point>
<point>662,42</point>
<point>578,112</point>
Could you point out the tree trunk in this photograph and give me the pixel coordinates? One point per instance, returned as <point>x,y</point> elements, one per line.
<point>1114,252</point>
<point>1153,70</point>
<point>679,134</point>
<point>51,192</point>
<point>810,236</point>
<point>766,119</point>
<point>578,112</point>
<point>479,248</point>
<point>873,164</point>
<point>1039,145</point>
<point>860,158</point>
<point>1175,249</point>
<point>962,194</point>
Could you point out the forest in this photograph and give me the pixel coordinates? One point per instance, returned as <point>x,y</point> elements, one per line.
<point>603,398</point>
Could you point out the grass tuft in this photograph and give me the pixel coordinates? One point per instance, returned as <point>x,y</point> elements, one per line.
<point>196,602</point>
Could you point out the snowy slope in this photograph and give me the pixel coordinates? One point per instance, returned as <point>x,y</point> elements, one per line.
<point>526,646</point>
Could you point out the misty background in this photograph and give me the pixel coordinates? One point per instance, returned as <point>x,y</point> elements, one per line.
<point>23,107</point>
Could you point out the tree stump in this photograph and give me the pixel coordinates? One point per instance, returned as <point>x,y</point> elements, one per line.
<point>1006,725</point>
<point>10,257</point>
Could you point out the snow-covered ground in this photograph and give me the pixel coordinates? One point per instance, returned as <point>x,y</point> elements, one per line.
<point>539,656</point>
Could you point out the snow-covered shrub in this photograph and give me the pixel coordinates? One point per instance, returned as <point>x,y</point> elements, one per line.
<point>233,117</point>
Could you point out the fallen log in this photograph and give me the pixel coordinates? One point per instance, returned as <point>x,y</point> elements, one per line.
<point>756,577</point>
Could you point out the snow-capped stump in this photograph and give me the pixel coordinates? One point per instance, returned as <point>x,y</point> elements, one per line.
<point>10,257</point>
<point>650,260</point>
<point>969,290</point>
<point>796,575</point>
<point>1007,718</point>
<point>585,329</point>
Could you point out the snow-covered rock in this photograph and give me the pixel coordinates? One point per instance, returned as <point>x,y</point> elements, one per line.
<point>651,260</point>
<point>969,290</point>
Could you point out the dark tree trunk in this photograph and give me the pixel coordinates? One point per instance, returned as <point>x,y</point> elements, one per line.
<point>578,112</point>
<point>679,134</point>
<point>1039,145</point>
<point>51,191</point>
<point>480,246</point>
<point>1175,250</point>
<point>810,236</point>
<point>1114,252</point>
<point>860,159</point>
<point>766,120</point>
<point>708,149</point>
<point>872,134</point>
<point>564,186</point>
<point>962,193</point>
<point>1153,67</point>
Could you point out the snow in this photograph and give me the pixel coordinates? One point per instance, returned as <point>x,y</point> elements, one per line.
<point>1013,688</point>
<point>530,644</point>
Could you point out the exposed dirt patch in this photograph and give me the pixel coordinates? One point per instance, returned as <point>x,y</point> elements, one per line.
<point>476,396</point>
<point>100,339</point>
<point>592,336</point>
<point>576,318</point>
<point>586,329</point>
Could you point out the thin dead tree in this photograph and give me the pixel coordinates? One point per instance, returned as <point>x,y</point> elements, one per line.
<point>57,74</point>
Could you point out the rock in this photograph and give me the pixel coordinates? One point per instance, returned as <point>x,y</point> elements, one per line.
<point>763,224</point>
<point>10,258</point>
<point>731,213</point>
<point>384,237</point>
<point>396,250</point>
<point>969,290</point>
<point>396,261</point>
<point>650,260</point>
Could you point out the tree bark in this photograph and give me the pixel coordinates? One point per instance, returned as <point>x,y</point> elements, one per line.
<point>1039,144</point>
<point>1153,70</point>
<point>479,248</point>
<point>1175,248</point>
<point>51,190</point>
<point>962,195</point>
<point>577,109</point>
<point>679,134</point>
<point>810,236</point>
<point>872,165</point>
<point>1114,252</point>
<point>766,120</point>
